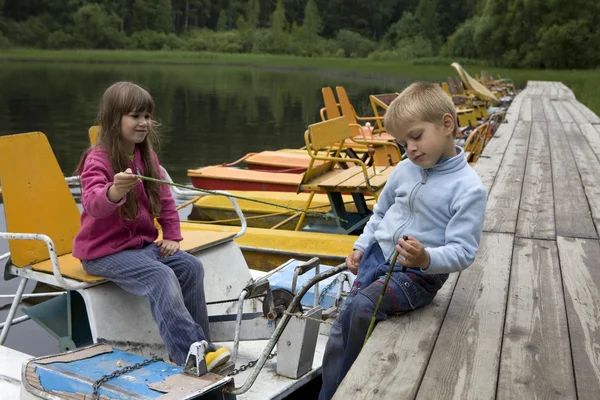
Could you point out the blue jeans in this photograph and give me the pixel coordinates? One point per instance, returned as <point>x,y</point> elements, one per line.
<point>174,287</point>
<point>405,292</point>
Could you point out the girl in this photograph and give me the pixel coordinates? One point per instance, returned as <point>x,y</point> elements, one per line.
<point>117,235</point>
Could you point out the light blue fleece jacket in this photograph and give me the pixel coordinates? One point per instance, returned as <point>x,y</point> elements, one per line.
<point>442,207</point>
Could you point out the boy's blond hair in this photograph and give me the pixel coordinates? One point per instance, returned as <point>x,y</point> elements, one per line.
<point>421,101</point>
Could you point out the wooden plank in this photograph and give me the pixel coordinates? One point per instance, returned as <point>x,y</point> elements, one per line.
<point>554,92</point>
<point>549,110</point>
<point>537,110</point>
<point>536,209</point>
<point>512,114</point>
<point>464,363</point>
<point>588,166</point>
<point>571,210</point>
<point>503,200</point>
<point>590,115</point>
<point>581,279</point>
<point>592,135</point>
<point>340,177</point>
<point>394,359</point>
<point>575,113</point>
<point>358,181</point>
<point>561,111</point>
<point>380,179</point>
<point>536,356</point>
<point>525,112</point>
<point>489,161</point>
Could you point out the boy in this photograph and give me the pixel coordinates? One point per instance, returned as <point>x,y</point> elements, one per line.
<point>436,200</point>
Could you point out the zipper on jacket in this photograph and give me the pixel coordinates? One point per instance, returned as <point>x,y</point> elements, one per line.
<point>424,177</point>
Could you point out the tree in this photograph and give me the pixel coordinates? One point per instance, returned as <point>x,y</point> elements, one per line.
<point>278,21</point>
<point>427,16</point>
<point>222,21</point>
<point>312,20</point>
<point>96,28</point>
<point>253,13</point>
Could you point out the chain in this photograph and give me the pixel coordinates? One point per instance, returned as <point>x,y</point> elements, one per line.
<point>120,372</point>
<point>250,365</point>
<point>301,316</point>
<point>324,291</point>
<point>208,303</point>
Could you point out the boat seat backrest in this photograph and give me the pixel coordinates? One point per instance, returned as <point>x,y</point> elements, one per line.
<point>36,197</point>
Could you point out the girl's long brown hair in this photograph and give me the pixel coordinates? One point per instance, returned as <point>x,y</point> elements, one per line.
<point>118,100</point>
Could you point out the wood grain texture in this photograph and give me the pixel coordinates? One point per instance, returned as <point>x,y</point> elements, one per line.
<point>537,110</point>
<point>549,110</point>
<point>587,164</point>
<point>395,352</point>
<point>488,163</point>
<point>561,111</point>
<point>581,277</point>
<point>590,115</point>
<point>503,200</point>
<point>525,114</point>
<point>576,114</point>
<point>536,209</point>
<point>464,363</point>
<point>571,210</point>
<point>536,355</point>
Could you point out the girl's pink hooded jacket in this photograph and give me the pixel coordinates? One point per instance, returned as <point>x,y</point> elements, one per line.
<point>103,231</point>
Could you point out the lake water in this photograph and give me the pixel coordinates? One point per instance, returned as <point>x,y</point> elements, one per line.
<point>209,114</point>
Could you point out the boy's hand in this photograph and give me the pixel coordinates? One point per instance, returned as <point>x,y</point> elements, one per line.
<point>167,247</point>
<point>415,255</point>
<point>353,260</point>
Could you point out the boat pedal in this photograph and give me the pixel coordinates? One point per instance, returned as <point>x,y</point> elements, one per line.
<point>224,369</point>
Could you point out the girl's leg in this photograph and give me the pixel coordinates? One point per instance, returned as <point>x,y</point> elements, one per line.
<point>190,274</point>
<point>138,272</point>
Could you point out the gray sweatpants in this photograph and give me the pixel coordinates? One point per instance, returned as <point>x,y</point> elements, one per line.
<point>174,287</point>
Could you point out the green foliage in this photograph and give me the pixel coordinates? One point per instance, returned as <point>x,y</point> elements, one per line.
<point>407,27</point>
<point>311,24</point>
<point>95,28</point>
<point>406,49</point>
<point>557,44</point>
<point>152,40</point>
<point>62,40</point>
<point>4,42</point>
<point>514,33</point>
<point>353,44</point>
<point>461,43</point>
<point>426,14</point>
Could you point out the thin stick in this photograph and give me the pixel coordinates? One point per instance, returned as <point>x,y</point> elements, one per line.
<point>380,300</point>
<point>146,178</point>
<point>187,203</point>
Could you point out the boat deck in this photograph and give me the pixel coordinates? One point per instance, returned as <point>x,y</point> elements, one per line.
<point>524,320</point>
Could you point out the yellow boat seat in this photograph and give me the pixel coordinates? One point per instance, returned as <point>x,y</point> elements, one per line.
<point>38,200</point>
<point>193,240</point>
<point>279,160</point>
<point>224,178</point>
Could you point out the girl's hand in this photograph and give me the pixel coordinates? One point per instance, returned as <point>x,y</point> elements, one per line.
<point>415,255</point>
<point>167,247</point>
<point>123,183</point>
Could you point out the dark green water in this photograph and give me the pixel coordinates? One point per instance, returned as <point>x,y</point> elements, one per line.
<point>209,114</point>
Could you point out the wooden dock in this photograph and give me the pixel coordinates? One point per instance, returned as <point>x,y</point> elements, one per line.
<point>523,322</point>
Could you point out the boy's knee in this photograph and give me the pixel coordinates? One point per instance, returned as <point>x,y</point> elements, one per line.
<point>361,309</point>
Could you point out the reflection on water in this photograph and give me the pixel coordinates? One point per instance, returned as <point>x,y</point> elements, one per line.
<point>209,115</point>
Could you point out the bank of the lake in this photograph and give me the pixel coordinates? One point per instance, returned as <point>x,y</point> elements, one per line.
<point>582,82</point>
